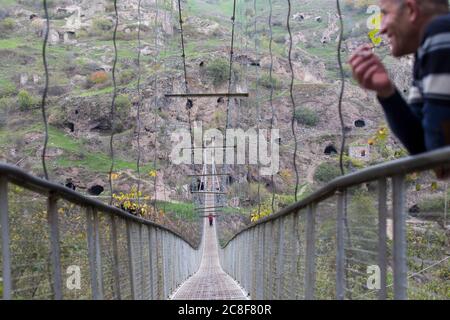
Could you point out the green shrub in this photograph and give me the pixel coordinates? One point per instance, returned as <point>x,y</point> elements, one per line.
<point>326,172</point>
<point>127,76</point>
<point>7,25</point>
<point>218,71</point>
<point>268,83</point>
<point>433,204</point>
<point>307,117</point>
<point>5,103</point>
<point>100,25</point>
<point>123,104</point>
<point>25,100</point>
<point>7,89</point>
<point>280,39</point>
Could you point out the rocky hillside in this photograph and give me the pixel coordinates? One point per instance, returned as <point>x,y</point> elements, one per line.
<point>81,58</point>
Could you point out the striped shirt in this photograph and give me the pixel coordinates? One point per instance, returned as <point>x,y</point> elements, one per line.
<point>422,123</point>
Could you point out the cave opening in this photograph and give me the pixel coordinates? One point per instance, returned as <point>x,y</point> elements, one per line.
<point>360,123</point>
<point>330,150</point>
<point>95,190</point>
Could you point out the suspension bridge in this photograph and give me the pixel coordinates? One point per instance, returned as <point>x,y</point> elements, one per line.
<point>316,248</point>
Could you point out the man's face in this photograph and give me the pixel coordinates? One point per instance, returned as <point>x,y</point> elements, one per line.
<point>397,26</point>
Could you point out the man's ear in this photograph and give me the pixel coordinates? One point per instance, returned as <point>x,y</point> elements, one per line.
<point>412,9</point>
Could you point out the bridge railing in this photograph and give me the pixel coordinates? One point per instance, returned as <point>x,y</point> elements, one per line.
<point>352,239</point>
<point>59,244</point>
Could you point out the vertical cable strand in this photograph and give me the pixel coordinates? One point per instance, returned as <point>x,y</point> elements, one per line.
<point>44,94</point>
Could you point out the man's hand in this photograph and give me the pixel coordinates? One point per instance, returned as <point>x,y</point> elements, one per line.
<point>370,72</point>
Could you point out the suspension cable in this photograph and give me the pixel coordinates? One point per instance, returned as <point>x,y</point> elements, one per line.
<point>341,94</point>
<point>183,55</point>
<point>258,111</point>
<point>291,90</point>
<point>271,93</point>
<point>139,105</point>
<point>244,48</point>
<point>113,103</point>
<point>155,97</point>
<point>341,118</point>
<point>233,20</point>
<point>228,114</point>
<point>44,94</point>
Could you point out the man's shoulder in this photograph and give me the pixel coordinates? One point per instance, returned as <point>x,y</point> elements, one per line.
<point>440,24</point>
<point>436,39</point>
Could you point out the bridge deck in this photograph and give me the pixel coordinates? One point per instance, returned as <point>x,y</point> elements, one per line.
<point>210,282</point>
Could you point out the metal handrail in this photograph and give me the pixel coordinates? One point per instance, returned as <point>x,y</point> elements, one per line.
<point>149,259</point>
<point>402,166</point>
<point>47,188</point>
<point>288,254</point>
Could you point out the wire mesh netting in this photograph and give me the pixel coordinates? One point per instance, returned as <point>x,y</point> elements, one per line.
<point>428,242</point>
<point>29,245</point>
<point>74,251</point>
<point>361,241</point>
<point>325,247</point>
<point>107,257</point>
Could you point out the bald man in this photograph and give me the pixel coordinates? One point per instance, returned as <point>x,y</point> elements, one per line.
<point>422,28</point>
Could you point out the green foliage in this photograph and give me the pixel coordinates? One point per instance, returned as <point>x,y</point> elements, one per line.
<point>126,77</point>
<point>268,83</point>
<point>100,25</point>
<point>218,71</point>
<point>25,100</point>
<point>184,210</point>
<point>7,25</point>
<point>355,163</point>
<point>434,204</point>
<point>326,172</point>
<point>306,116</point>
<point>7,88</point>
<point>123,103</point>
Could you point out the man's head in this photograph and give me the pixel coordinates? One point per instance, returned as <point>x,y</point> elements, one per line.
<point>404,22</point>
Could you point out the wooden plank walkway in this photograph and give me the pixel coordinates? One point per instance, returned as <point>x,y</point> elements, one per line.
<point>210,282</point>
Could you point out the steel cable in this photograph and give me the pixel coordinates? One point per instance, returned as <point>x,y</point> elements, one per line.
<point>155,208</point>
<point>291,92</point>
<point>113,102</point>
<point>233,20</point>
<point>185,75</point>
<point>341,118</point>
<point>139,106</point>
<point>271,93</point>
<point>258,111</point>
<point>341,94</point>
<point>44,94</point>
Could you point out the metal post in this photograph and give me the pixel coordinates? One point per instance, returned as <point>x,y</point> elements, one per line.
<point>310,260</point>
<point>94,253</point>
<point>254,262</point>
<point>272,240</point>
<point>280,258</point>
<point>163,264</point>
<point>269,276</point>
<point>248,264</point>
<point>295,250</point>
<point>340,249</point>
<point>131,256</point>
<point>116,272</point>
<point>400,263</point>
<point>260,274</point>
<point>382,237</point>
<point>6,250</point>
<point>141,256</point>
<point>265,243</point>
<point>52,217</point>
<point>150,258</point>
